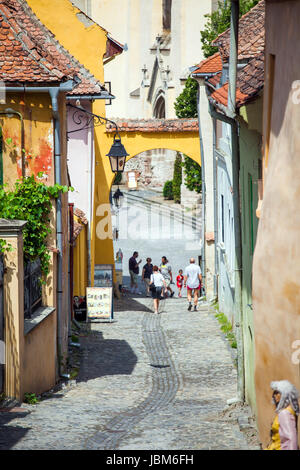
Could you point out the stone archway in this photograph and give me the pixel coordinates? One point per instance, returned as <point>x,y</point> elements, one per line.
<point>179,135</point>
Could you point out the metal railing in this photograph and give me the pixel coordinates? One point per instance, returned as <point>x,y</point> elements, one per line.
<point>32,287</point>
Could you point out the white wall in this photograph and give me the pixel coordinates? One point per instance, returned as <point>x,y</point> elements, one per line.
<point>136,23</point>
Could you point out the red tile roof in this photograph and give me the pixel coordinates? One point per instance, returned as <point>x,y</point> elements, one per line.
<point>215,80</point>
<point>29,53</point>
<point>154,125</point>
<point>80,221</point>
<point>251,35</point>
<point>212,64</point>
<point>250,82</point>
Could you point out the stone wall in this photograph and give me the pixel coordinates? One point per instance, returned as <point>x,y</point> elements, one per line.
<point>155,167</point>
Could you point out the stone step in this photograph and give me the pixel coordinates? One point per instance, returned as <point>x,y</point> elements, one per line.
<point>178,214</point>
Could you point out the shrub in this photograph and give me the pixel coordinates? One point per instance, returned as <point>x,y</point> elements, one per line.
<point>168,190</point>
<point>177,178</point>
<point>118,178</point>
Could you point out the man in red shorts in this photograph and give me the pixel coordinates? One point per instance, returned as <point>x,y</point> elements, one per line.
<point>192,280</point>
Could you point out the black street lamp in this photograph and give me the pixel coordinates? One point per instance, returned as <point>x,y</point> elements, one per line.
<point>118,198</point>
<point>117,155</point>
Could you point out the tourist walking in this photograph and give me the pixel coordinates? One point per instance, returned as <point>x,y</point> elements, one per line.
<point>166,271</point>
<point>134,272</point>
<point>157,283</point>
<point>146,274</point>
<point>179,282</point>
<point>192,280</point>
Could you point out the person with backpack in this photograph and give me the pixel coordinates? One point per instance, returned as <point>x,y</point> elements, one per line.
<point>157,283</point>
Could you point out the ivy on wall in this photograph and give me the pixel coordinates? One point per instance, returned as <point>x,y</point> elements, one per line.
<point>31,200</point>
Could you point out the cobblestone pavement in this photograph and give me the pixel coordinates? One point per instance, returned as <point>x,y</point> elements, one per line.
<point>146,381</point>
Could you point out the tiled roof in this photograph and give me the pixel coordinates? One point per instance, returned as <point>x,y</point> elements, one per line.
<point>80,221</point>
<point>250,82</point>
<point>154,125</point>
<point>251,34</point>
<point>215,80</point>
<point>212,64</point>
<point>22,55</point>
<point>29,53</point>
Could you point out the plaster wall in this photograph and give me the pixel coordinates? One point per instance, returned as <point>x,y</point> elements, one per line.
<point>226,238</point>
<point>276,267</point>
<point>80,161</point>
<point>137,26</point>
<point>206,123</point>
<point>250,152</point>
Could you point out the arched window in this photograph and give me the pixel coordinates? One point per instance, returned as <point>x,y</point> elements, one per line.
<point>160,108</point>
<point>167,7</point>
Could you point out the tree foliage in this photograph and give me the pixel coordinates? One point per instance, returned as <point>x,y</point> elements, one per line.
<point>177,177</point>
<point>218,21</point>
<point>186,103</point>
<point>31,200</point>
<point>168,190</point>
<point>193,175</point>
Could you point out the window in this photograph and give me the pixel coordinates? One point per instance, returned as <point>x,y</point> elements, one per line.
<point>222,217</point>
<point>167,7</point>
<point>160,108</point>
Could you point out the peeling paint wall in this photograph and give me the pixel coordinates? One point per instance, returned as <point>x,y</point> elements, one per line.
<point>34,150</point>
<point>276,269</point>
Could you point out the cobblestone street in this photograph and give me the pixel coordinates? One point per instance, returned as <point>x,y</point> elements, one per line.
<point>147,382</point>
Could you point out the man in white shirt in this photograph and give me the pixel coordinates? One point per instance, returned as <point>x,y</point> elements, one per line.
<point>193,280</point>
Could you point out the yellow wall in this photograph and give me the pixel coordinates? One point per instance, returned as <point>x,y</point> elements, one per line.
<point>86,43</point>
<point>80,280</point>
<point>38,136</point>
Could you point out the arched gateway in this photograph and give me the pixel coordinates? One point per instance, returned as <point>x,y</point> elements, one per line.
<point>181,135</point>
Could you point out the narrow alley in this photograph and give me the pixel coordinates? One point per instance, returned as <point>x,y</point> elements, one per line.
<point>146,381</point>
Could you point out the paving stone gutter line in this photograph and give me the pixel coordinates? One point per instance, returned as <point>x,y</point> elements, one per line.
<point>166,381</point>
<point>178,214</point>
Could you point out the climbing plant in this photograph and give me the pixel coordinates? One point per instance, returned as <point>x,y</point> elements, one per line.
<point>31,200</point>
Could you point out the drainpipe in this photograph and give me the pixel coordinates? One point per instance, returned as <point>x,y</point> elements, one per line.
<point>203,258</point>
<point>234,26</point>
<point>230,119</point>
<point>54,93</point>
<point>215,193</point>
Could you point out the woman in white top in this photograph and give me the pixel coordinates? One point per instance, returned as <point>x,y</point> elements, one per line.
<point>157,283</point>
